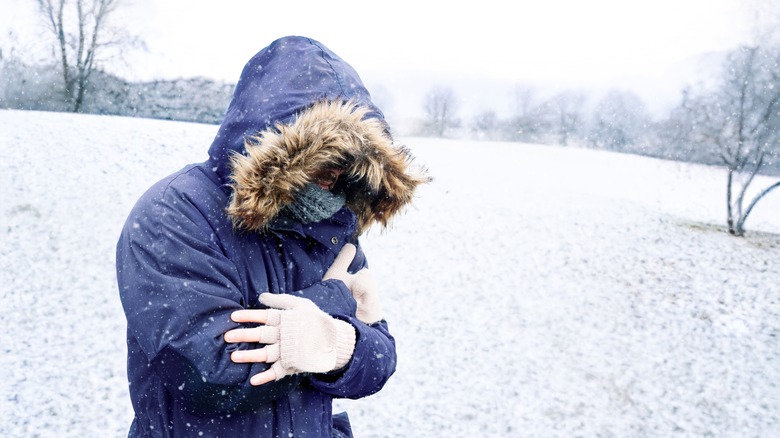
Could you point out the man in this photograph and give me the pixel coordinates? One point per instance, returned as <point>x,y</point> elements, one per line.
<point>249,304</point>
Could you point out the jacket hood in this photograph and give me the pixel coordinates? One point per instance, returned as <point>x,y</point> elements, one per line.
<point>378,176</point>
<point>299,108</point>
<point>279,82</point>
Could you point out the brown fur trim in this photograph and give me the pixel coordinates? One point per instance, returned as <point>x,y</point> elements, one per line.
<point>378,177</point>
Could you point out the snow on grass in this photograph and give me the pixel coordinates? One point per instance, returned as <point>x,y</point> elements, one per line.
<point>533,290</point>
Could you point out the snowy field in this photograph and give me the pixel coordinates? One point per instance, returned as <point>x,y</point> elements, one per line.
<point>534,291</point>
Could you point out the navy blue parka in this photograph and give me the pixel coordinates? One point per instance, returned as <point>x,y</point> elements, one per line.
<point>183,266</point>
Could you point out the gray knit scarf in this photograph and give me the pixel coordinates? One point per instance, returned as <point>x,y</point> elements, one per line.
<point>313,204</point>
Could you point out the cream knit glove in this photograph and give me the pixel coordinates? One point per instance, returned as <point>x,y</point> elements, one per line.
<point>303,338</point>
<point>361,284</point>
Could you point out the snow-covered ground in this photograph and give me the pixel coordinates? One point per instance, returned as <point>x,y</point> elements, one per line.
<point>534,291</point>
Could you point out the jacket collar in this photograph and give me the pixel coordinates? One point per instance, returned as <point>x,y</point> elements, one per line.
<point>331,233</point>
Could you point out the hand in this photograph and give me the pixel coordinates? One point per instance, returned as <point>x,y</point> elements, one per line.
<point>299,336</point>
<point>361,284</point>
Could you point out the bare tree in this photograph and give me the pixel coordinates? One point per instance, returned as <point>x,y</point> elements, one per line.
<point>440,106</point>
<point>738,122</point>
<point>670,137</point>
<point>564,114</point>
<point>82,34</point>
<point>485,125</point>
<point>619,121</point>
<point>525,123</point>
<point>523,99</point>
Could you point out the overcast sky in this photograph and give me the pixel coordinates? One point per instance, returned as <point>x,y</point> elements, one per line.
<point>573,41</point>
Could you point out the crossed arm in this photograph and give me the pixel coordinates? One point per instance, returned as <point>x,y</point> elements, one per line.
<point>300,337</point>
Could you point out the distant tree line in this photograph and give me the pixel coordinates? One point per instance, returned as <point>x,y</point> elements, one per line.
<point>39,88</point>
<point>619,121</point>
<point>733,121</point>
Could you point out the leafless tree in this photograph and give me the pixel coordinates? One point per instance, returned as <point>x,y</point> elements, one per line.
<point>619,121</point>
<point>670,137</point>
<point>739,123</point>
<point>485,125</point>
<point>440,106</point>
<point>564,113</point>
<point>525,123</point>
<point>82,33</point>
<point>523,99</point>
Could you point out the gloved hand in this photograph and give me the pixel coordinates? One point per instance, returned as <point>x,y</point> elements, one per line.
<point>299,336</point>
<point>361,284</point>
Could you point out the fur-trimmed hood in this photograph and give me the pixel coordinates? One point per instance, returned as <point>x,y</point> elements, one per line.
<point>299,108</point>
<point>378,177</point>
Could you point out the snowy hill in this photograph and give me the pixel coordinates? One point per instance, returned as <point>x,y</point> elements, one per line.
<point>534,291</point>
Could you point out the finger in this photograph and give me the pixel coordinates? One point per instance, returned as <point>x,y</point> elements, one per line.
<point>273,353</point>
<point>364,283</point>
<point>274,317</point>
<point>246,356</point>
<point>254,315</point>
<point>266,376</point>
<point>343,260</point>
<point>240,335</point>
<point>264,335</point>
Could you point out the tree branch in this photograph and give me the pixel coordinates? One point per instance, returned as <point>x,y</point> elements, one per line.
<point>755,201</point>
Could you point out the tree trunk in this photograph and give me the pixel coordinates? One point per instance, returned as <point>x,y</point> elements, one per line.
<point>729,208</point>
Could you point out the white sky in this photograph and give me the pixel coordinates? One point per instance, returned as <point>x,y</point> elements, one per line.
<point>551,39</point>
<point>573,41</point>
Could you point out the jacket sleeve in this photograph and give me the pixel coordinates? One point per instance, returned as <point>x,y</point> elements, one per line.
<point>372,362</point>
<point>178,290</point>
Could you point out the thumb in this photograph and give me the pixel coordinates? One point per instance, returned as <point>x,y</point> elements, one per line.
<point>342,262</point>
<point>364,283</point>
<point>282,301</point>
